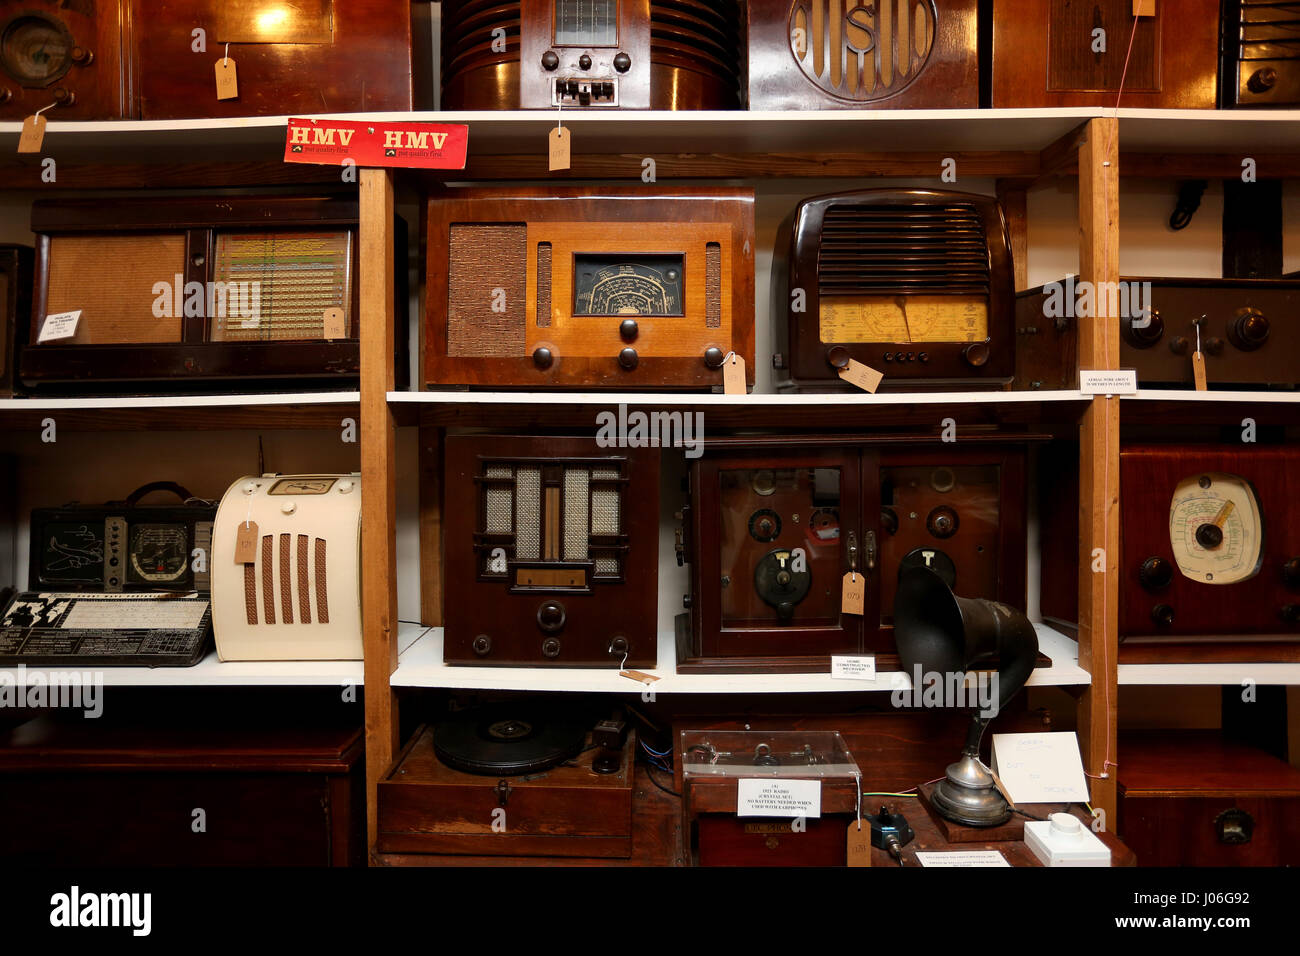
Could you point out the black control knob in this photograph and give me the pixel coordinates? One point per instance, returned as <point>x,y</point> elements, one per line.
<point>550,616</point>
<point>627,330</point>
<point>1214,345</point>
<point>584,62</point>
<point>550,61</point>
<point>942,522</point>
<point>1261,81</point>
<point>81,56</point>
<point>1163,615</point>
<point>1291,573</point>
<point>713,357</point>
<point>5,94</point>
<point>619,646</point>
<point>543,358</point>
<point>628,359</point>
<point>976,354</point>
<point>1178,345</point>
<point>1291,613</point>
<point>838,356</point>
<point>551,648</point>
<point>1155,573</point>
<point>64,97</point>
<point>1248,329</point>
<point>482,645</point>
<point>1143,331</point>
<point>622,62</point>
<point>1209,536</point>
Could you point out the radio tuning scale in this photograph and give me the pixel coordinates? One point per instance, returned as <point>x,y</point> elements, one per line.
<point>1215,528</point>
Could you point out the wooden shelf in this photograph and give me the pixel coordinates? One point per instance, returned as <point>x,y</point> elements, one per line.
<point>183,412</point>
<point>211,672</point>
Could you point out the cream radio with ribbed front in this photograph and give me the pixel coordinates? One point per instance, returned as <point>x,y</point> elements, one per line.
<point>286,569</point>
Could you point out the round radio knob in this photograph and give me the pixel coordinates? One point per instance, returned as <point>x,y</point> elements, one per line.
<point>550,616</point>
<point>976,354</point>
<point>81,56</point>
<point>543,358</point>
<point>838,356</point>
<point>1147,332</point>
<point>628,359</point>
<point>619,646</point>
<point>622,62</point>
<point>942,522</point>
<point>551,648</point>
<point>584,62</point>
<point>1291,573</point>
<point>1155,573</point>
<point>5,94</point>
<point>1214,345</point>
<point>1248,330</point>
<point>713,357</point>
<point>1261,81</point>
<point>482,645</point>
<point>1291,613</point>
<point>288,508</point>
<point>346,486</point>
<point>889,520</point>
<point>1178,345</point>
<point>1163,615</point>
<point>550,61</point>
<point>1209,536</point>
<point>627,330</point>
<point>248,487</point>
<point>64,97</point>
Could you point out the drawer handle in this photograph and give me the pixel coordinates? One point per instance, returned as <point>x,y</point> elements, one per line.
<point>1234,826</point>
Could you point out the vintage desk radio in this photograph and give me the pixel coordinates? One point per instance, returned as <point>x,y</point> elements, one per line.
<point>136,59</point>
<point>551,550</point>
<point>609,288</point>
<point>591,54</point>
<point>915,283</point>
<point>1261,57</point>
<point>286,569</point>
<point>1063,53</point>
<point>775,524</point>
<point>895,54</point>
<point>15,309</point>
<point>194,292</point>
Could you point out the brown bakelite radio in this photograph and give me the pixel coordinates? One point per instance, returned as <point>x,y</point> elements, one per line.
<point>591,54</point>
<point>194,292</point>
<point>1066,53</point>
<point>1261,58</point>
<point>892,54</point>
<point>915,283</point>
<point>73,56</point>
<point>610,288</point>
<point>551,552</point>
<point>774,525</point>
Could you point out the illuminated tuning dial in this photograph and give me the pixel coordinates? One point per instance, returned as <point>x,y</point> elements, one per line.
<point>1215,529</point>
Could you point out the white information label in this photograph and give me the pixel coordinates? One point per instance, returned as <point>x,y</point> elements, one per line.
<point>853,668</point>
<point>961,858</point>
<point>1122,381</point>
<point>60,325</point>
<point>778,798</point>
<point>1040,768</point>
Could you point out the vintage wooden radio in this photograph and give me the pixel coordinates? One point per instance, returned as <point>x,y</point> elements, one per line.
<point>551,550</point>
<point>895,54</point>
<point>609,288</point>
<point>1261,61</point>
<point>15,309</point>
<point>591,54</point>
<point>915,283</point>
<point>286,569</point>
<point>775,524</point>
<point>446,789</point>
<point>75,57</point>
<point>1247,332</point>
<point>1063,53</point>
<point>194,292</point>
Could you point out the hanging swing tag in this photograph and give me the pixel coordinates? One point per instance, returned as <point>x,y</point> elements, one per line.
<point>246,543</point>
<point>335,327</point>
<point>1198,371</point>
<point>854,593</point>
<point>227,80</point>
<point>33,134</point>
<point>859,848</point>
<point>559,148</point>
<point>863,376</point>
<point>733,375</point>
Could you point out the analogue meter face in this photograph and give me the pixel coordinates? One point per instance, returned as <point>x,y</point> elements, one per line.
<point>160,553</point>
<point>35,50</point>
<point>617,285</point>
<point>1215,529</point>
<point>904,319</point>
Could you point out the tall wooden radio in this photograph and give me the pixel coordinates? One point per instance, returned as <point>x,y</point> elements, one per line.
<point>1261,57</point>
<point>1066,53</point>
<point>893,54</point>
<point>573,287</point>
<point>915,283</point>
<point>591,54</point>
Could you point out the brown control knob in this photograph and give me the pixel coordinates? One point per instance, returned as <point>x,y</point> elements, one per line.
<point>1262,80</point>
<point>619,646</point>
<point>584,62</point>
<point>6,94</point>
<point>628,329</point>
<point>1209,536</point>
<point>81,56</point>
<point>942,522</point>
<point>713,357</point>
<point>628,359</point>
<point>550,61</point>
<point>551,648</point>
<point>1143,331</point>
<point>1248,329</point>
<point>976,354</point>
<point>543,358</point>
<point>838,356</point>
<point>64,96</point>
<point>550,616</point>
<point>622,62</point>
<point>1163,615</point>
<point>1155,573</point>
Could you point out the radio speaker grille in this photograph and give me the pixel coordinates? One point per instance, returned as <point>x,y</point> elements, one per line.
<point>544,284</point>
<point>712,285</point>
<point>111,280</point>
<point>486,289</point>
<point>528,485</point>
<point>575,514</point>
<point>284,570</point>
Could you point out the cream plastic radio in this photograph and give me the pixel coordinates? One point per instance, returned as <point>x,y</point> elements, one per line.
<point>286,569</point>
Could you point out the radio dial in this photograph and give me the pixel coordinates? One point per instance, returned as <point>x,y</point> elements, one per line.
<point>482,645</point>
<point>838,356</point>
<point>550,616</point>
<point>1209,536</point>
<point>942,522</point>
<point>976,354</point>
<point>550,61</point>
<point>1248,330</point>
<point>622,62</point>
<point>584,62</point>
<point>1146,335</point>
<point>1155,573</point>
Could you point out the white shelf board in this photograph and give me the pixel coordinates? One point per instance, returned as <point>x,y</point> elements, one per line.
<point>179,401</point>
<point>755,399</point>
<point>1211,674</point>
<point>208,672</point>
<point>1225,396</point>
<point>420,664</point>
<point>1237,132</point>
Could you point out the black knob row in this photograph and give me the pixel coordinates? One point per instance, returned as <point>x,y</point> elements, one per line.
<point>1157,573</point>
<point>544,358</point>
<point>551,62</point>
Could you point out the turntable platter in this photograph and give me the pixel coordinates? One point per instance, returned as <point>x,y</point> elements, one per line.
<point>509,742</point>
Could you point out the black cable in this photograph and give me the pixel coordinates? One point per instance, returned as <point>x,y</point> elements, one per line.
<point>649,767</point>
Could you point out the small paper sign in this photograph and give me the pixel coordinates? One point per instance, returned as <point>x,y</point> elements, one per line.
<point>758,797</point>
<point>1144,8</point>
<point>1040,768</point>
<point>1122,381</point>
<point>854,593</point>
<point>1198,371</point>
<point>863,376</point>
<point>733,375</point>
<point>331,142</point>
<point>33,134</point>
<point>227,79</point>
<point>961,858</point>
<point>334,326</point>
<point>853,668</point>
<point>638,676</point>
<point>60,325</point>
<point>859,847</point>
<point>246,543</point>
<point>558,148</point>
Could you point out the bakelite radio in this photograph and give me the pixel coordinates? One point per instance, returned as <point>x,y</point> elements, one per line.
<point>194,292</point>
<point>915,283</point>
<point>894,54</point>
<point>1261,59</point>
<point>1246,330</point>
<point>775,524</point>
<point>615,288</point>
<point>15,309</point>
<point>132,59</point>
<point>1063,53</point>
<point>551,552</point>
<point>591,54</point>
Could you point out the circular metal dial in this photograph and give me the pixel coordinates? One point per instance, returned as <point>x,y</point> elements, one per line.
<point>1215,529</point>
<point>159,552</point>
<point>779,584</point>
<point>764,524</point>
<point>36,50</point>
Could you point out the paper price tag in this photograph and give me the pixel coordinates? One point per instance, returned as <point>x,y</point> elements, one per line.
<point>227,79</point>
<point>559,148</point>
<point>859,844</point>
<point>334,326</point>
<point>33,134</point>
<point>1198,371</point>
<point>733,375</point>
<point>638,676</point>
<point>854,593</point>
<point>246,543</point>
<point>863,376</point>
<point>60,325</point>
